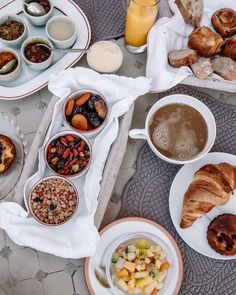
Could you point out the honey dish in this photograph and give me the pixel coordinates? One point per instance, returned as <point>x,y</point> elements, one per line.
<point>7,56</point>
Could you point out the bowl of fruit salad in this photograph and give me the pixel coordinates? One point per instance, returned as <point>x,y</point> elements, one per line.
<point>139,264</point>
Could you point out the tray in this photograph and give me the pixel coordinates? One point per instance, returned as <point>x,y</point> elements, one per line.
<point>32,81</point>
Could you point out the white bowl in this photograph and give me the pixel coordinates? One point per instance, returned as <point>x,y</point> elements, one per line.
<point>39,20</point>
<point>62,44</point>
<point>14,74</point>
<point>37,66</point>
<point>182,99</point>
<point>17,42</point>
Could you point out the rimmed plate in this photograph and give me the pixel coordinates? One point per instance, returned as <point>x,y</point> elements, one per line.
<point>130,225</point>
<point>195,236</point>
<point>9,179</point>
<point>32,81</point>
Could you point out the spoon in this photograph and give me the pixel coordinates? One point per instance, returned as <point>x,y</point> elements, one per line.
<point>100,274</point>
<point>64,50</point>
<point>8,66</point>
<point>35,9</point>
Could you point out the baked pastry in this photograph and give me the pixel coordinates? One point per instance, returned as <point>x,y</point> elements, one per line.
<point>183,57</point>
<point>192,10</point>
<point>212,186</point>
<point>224,22</point>
<point>221,234</point>
<point>229,48</point>
<point>205,41</point>
<point>202,68</point>
<point>7,153</point>
<point>224,67</point>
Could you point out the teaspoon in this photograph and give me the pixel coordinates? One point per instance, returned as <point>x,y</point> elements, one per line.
<point>35,9</point>
<point>8,66</point>
<point>64,50</point>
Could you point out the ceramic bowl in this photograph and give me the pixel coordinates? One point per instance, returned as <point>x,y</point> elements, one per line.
<point>37,66</point>
<point>14,74</point>
<point>179,99</point>
<point>42,180</point>
<point>39,20</point>
<point>75,95</point>
<point>75,134</point>
<point>17,42</point>
<point>61,44</point>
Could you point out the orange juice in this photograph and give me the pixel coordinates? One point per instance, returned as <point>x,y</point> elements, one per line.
<point>141,15</point>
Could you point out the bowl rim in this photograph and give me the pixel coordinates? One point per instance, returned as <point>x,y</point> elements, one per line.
<point>62,133</point>
<point>20,20</point>
<point>5,49</point>
<point>92,131</point>
<point>27,41</point>
<point>42,180</point>
<point>41,16</point>
<point>51,20</point>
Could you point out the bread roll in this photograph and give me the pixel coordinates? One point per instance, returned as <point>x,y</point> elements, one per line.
<point>202,68</point>
<point>229,48</point>
<point>225,67</point>
<point>224,22</point>
<point>206,42</point>
<point>191,10</point>
<point>183,57</point>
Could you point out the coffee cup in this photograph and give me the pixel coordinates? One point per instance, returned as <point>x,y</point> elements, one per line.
<point>184,100</point>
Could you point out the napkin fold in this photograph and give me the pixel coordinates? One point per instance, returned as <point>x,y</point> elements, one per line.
<point>172,34</point>
<point>78,237</point>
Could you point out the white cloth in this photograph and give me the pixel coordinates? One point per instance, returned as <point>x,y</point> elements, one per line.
<point>172,34</point>
<point>78,237</point>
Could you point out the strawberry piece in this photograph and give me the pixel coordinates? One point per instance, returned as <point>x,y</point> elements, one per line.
<point>70,137</point>
<point>66,153</point>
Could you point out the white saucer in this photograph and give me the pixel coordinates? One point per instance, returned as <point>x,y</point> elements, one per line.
<point>131,225</point>
<point>195,236</point>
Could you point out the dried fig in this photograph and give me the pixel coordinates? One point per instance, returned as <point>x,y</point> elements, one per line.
<point>101,108</point>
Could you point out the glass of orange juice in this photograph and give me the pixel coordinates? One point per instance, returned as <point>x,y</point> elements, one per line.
<point>141,16</point>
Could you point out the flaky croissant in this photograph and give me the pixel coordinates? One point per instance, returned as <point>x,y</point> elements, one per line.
<point>212,186</point>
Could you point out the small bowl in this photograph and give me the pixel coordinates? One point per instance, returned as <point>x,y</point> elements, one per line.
<point>39,20</point>
<point>125,239</point>
<point>17,42</point>
<point>75,134</point>
<point>32,65</point>
<point>62,44</point>
<point>75,95</point>
<point>48,178</point>
<point>16,72</point>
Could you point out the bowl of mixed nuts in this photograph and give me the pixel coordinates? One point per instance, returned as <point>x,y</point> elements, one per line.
<point>68,154</point>
<point>86,111</point>
<point>53,200</point>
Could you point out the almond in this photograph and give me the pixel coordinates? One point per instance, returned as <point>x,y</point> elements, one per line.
<point>79,122</point>
<point>82,99</point>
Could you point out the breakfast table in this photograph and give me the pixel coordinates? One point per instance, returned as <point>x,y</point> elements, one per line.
<point>44,273</point>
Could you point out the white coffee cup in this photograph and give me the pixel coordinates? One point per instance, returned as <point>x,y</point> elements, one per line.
<point>179,99</point>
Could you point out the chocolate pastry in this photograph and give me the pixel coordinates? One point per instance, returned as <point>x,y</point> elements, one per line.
<point>224,22</point>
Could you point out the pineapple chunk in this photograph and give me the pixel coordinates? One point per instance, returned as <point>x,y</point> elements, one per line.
<point>165,265</point>
<point>131,284</point>
<point>150,288</point>
<point>143,267</point>
<point>162,255</point>
<point>130,266</point>
<point>123,273</point>
<point>147,260</point>
<point>131,256</point>
<point>122,285</point>
<point>135,291</point>
<point>120,263</point>
<point>162,275</point>
<point>149,253</point>
<point>141,274</point>
<point>138,267</point>
<point>131,248</point>
<point>126,279</point>
<point>141,283</point>
<point>158,264</point>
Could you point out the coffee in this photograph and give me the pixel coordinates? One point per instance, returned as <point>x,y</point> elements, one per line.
<point>178,131</point>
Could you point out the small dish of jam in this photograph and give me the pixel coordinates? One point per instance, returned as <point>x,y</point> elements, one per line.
<point>36,53</point>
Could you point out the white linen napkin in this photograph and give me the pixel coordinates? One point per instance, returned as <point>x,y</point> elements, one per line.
<point>172,34</point>
<point>78,237</point>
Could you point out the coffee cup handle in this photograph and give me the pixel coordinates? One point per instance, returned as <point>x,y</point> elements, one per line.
<point>138,134</point>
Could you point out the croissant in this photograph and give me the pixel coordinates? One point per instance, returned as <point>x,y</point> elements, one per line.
<point>224,22</point>
<point>229,49</point>
<point>212,186</point>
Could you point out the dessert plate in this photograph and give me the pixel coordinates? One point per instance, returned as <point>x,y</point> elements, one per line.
<point>126,226</point>
<point>195,236</point>
<point>31,81</point>
<point>9,179</point>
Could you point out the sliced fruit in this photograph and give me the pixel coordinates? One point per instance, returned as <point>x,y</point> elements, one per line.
<point>130,266</point>
<point>79,122</point>
<point>141,283</point>
<point>69,107</point>
<point>82,99</point>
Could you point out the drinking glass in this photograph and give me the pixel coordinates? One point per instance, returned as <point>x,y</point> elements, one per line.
<point>141,16</point>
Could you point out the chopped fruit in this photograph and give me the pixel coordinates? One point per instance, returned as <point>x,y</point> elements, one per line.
<point>131,283</point>
<point>131,248</point>
<point>150,288</point>
<point>158,264</point>
<point>115,257</point>
<point>141,283</point>
<point>120,263</point>
<point>154,273</point>
<point>165,265</point>
<point>122,284</point>
<point>162,275</point>
<point>142,244</point>
<point>141,274</point>
<point>123,273</point>
<point>149,253</point>
<point>162,255</point>
<point>131,256</point>
<point>126,279</point>
<point>130,266</point>
<point>159,285</point>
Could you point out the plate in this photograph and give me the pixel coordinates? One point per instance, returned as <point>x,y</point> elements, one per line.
<point>9,179</point>
<point>32,81</point>
<point>195,236</point>
<point>129,225</point>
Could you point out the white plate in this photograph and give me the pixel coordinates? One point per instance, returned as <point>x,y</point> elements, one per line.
<point>195,236</point>
<point>130,225</point>
<point>9,179</point>
<point>32,81</point>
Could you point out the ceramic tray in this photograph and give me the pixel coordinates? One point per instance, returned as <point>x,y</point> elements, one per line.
<point>32,81</point>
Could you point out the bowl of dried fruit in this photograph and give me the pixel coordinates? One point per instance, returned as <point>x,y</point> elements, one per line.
<point>53,200</point>
<point>13,30</point>
<point>86,111</point>
<point>68,154</point>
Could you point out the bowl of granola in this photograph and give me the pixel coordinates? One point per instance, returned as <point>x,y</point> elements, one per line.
<point>53,200</point>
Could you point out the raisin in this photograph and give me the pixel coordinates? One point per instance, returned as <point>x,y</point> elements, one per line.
<point>94,120</point>
<point>77,110</point>
<point>36,199</point>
